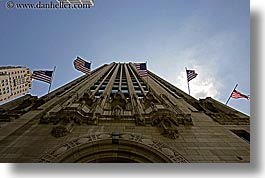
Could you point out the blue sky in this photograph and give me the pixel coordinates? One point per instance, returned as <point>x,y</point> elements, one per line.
<point>210,36</point>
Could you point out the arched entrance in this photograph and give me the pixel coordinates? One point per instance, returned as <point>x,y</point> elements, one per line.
<point>110,148</point>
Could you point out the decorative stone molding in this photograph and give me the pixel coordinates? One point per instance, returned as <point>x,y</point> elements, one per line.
<point>59,131</point>
<point>221,114</point>
<point>150,100</point>
<point>168,121</point>
<point>117,112</point>
<point>168,127</point>
<point>145,146</point>
<point>119,99</point>
<point>88,99</point>
<point>79,113</point>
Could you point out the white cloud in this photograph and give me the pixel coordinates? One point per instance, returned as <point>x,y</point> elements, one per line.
<point>204,85</point>
<point>206,59</point>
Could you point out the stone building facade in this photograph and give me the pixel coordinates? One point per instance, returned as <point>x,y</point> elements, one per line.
<point>115,115</point>
<point>14,82</point>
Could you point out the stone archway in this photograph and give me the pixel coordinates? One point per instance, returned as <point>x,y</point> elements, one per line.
<point>100,147</point>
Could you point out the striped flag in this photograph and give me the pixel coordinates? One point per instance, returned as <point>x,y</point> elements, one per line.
<point>43,75</point>
<point>142,69</point>
<point>236,94</point>
<point>82,65</point>
<point>191,74</point>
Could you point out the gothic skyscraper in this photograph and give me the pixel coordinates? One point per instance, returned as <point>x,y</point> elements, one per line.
<point>115,115</point>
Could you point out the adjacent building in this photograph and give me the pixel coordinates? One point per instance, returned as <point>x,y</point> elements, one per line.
<point>115,115</point>
<point>14,82</point>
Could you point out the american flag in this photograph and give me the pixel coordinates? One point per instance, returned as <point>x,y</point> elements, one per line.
<point>236,94</point>
<point>82,65</point>
<point>142,69</point>
<point>191,74</point>
<point>43,75</point>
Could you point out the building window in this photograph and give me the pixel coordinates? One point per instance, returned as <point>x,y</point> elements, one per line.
<point>243,135</point>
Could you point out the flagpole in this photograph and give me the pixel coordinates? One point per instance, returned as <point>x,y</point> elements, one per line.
<point>188,80</point>
<point>147,76</point>
<point>52,79</point>
<point>231,94</point>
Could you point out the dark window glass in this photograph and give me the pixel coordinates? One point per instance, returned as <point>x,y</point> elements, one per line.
<point>242,134</point>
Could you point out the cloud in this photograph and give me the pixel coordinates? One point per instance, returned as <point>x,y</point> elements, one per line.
<point>204,85</point>
<point>207,59</point>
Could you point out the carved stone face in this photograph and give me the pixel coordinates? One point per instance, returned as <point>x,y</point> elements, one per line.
<point>117,111</point>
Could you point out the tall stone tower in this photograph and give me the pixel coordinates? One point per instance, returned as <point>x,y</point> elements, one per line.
<point>115,115</point>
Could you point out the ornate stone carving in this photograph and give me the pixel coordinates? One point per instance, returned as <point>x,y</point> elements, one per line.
<point>57,153</point>
<point>79,113</point>
<point>117,111</point>
<point>150,101</point>
<point>139,120</point>
<point>224,117</point>
<point>17,108</point>
<point>168,126</point>
<point>168,121</point>
<point>118,99</point>
<point>59,131</point>
<point>7,116</point>
<point>88,99</point>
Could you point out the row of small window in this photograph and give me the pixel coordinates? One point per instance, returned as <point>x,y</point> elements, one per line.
<point>4,92</point>
<point>123,79</point>
<point>3,84</point>
<point>20,76</point>
<point>7,88</point>
<point>15,72</point>
<point>18,87</point>
<point>3,99</point>
<point>14,81</point>
<point>20,91</point>
<point>6,80</point>
<point>125,92</point>
<point>123,86</point>
<point>22,86</point>
<point>124,82</point>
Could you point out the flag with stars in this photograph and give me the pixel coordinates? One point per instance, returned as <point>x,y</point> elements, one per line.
<point>82,65</point>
